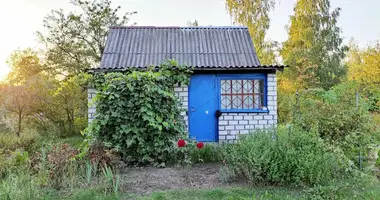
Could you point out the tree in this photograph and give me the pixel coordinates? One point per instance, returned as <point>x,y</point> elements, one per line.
<point>255,15</point>
<point>314,47</point>
<point>24,65</point>
<point>71,97</point>
<point>76,41</point>
<point>364,69</point>
<point>18,100</point>
<point>363,65</point>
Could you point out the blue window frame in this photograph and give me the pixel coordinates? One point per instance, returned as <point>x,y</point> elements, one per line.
<point>242,92</point>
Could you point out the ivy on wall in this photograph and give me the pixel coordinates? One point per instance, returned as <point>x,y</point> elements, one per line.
<point>138,114</point>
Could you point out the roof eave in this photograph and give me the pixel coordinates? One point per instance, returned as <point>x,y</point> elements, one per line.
<point>201,68</point>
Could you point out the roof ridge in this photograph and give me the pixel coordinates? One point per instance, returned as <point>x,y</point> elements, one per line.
<point>178,27</point>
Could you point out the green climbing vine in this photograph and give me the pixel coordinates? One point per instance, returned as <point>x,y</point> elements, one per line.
<point>138,114</point>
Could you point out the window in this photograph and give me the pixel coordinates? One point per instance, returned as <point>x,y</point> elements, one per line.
<point>242,95</point>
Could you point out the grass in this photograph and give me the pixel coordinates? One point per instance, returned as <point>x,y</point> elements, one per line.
<point>230,193</point>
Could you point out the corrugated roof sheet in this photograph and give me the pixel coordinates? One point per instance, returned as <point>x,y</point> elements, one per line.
<point>199,47</point>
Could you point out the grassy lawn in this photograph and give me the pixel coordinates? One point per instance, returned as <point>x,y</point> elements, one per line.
<point>262,193</point>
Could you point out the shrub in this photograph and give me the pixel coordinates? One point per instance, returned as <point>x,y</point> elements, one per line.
<point>138,113</point>
<point>296,158</point>
<point>59,159</point>
<point>26,141</point>
<point>338,119</point>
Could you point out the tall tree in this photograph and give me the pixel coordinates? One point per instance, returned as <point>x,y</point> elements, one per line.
<point>24,65</point>
<point>314,47</point>
<point>255,15</point>
<point>76,41</point>
<point>364,69</point>
<point>364,65</point>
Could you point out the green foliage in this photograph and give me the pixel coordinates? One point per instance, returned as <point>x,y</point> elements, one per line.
<point>314,47</point>
<point>112,180</point>
<point>138,113</point>
<point>288,157</point>
<point>210,153</point>
<point>25,64</point>
<point>363,69</point>
<point>75,41</point>
<point>338,120</point>
<point>255,15</point>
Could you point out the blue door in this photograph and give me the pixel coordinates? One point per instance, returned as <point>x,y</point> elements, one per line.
<point>202,107</point>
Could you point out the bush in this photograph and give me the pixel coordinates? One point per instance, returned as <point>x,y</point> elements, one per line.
<point>290,157</point>
<point>138,113</point>
<point>337,118</point>
<point>26,141</point>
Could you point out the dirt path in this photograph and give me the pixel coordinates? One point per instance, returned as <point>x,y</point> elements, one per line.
<point>144,181</point>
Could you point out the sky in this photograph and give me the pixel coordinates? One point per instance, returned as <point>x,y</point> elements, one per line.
<point>20,19</point>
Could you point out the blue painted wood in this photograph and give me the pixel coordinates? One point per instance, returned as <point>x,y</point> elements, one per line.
<point>203,100</point>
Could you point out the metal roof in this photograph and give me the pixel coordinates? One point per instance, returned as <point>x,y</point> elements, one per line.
<point>199,47</point>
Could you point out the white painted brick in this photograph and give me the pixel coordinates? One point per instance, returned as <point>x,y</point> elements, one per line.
<point>232,114</point>
<point>223,133</point>
<point>185,98</point>
<point>233,132</point>
<point>228,117</point>
<point>272,103</point>
<point>248,117</point>
<point>238,117</point>
<point>221,128</point>
<point>263,121</point>
<point>233,122</point>
<point>268,116</point>
<point>271,122</point>
<point>253,122</point>
<point>243,122</point>
<point>185,104</point>
<point>185,89</point>
<point>230,127</point>
<point>223,122</point>
<point>183,94</point>
<point>258,117</point>
<point>271,83</point>
<point>259,126</point>
<point>178,89</point>
<point>244,131</point>
<point>222,137</point>
<point>230,137</point>
<point>239,127</point>
<point>272,93</point>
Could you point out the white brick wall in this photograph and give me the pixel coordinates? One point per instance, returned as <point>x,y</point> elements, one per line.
<point>182,93</point>
<point>230,124</point>
<point>91,92</point>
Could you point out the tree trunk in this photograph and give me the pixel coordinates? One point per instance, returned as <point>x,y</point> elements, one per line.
<point>19,124</point>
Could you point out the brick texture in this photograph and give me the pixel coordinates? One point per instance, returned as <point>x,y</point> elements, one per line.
<point>230,125</point>
<point>91,92</point>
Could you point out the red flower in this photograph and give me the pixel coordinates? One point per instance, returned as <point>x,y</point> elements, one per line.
<point>181,143</point>
<point>200,145</point>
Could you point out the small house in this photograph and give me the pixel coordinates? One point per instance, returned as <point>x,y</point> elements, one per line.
<point>230,92</point>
